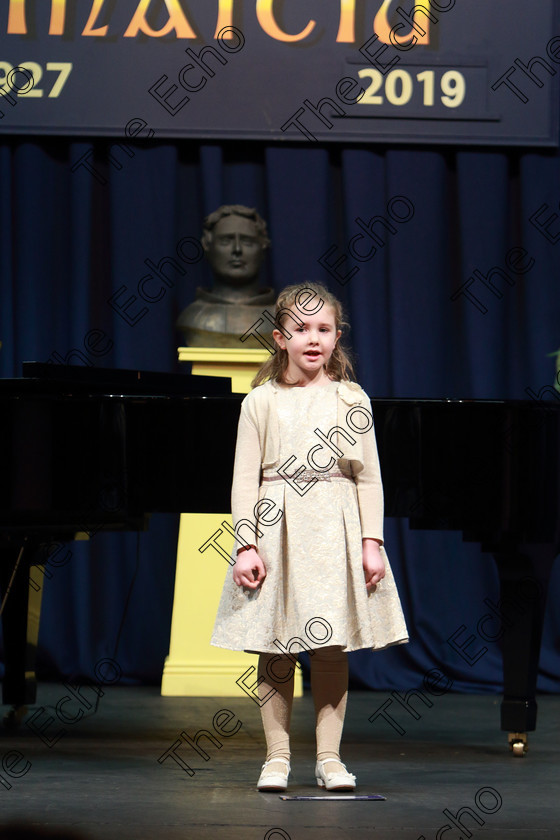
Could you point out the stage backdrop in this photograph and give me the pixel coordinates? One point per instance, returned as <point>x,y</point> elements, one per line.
<point>378,71</point>
<point>459,300</point>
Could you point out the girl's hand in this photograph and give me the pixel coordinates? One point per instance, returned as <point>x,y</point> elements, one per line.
<point>372,561</point>
<point>249,569</point>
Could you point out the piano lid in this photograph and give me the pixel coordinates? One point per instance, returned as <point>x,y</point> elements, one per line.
<point>84,379</point>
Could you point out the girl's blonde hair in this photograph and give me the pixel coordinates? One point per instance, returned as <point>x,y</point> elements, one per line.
<point>339,366</point>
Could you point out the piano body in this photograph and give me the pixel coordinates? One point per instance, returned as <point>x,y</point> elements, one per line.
<point>85,448</point>
<point>488,468</point>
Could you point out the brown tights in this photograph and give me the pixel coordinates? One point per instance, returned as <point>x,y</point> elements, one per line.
<point>329,686</point>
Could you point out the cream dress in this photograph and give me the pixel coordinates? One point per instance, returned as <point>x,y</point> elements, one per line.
<point>314,592</point>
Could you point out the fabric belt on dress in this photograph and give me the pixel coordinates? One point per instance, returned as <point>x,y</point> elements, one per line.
<point>309,475</point>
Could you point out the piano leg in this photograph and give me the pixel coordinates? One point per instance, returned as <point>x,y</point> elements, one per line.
<point>524,578</point>
<point>20,623</point>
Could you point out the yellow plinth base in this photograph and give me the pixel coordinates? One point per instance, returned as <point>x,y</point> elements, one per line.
<point>194,668</point>
<point>239,364</point>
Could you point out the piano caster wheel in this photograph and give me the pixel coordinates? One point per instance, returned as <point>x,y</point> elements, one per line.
<point>12,719</point>
<point>518,743</point>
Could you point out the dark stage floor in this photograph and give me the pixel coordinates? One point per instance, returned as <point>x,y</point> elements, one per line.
<point>103,774</point>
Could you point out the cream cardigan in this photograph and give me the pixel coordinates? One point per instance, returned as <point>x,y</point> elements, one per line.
<point>257,449</point>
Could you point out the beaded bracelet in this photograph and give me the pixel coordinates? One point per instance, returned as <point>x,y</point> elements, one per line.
<point>245,548</point>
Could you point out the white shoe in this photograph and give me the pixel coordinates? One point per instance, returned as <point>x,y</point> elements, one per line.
<point>277,780</point>
<point>341,780</point>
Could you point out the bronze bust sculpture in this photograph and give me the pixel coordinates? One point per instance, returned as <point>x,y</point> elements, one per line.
<point>234,241</point>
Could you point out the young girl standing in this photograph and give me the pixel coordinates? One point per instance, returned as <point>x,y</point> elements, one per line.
<point>310,572</point>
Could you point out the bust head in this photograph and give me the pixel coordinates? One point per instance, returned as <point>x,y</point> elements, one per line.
<point>234,241</point>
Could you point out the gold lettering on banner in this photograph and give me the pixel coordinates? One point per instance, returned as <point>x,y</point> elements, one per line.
<point>177,21</point>
<point>93,15</point>
<point>225,18</point>
<point>382,27</point>
<point>58,17</point>
<point>392,24</point>
<point>16,18</point>
<point>347,26</point>
<point>268,23</point>
<point>17,24</point>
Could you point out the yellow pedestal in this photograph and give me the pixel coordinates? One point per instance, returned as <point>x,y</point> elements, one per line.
<point>194,668</point>
<point>239,364</point>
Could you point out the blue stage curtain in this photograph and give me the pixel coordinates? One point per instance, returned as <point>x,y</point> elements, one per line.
<point>80,219</point>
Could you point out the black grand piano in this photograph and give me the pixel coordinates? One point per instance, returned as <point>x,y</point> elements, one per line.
<point>87,448</point>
